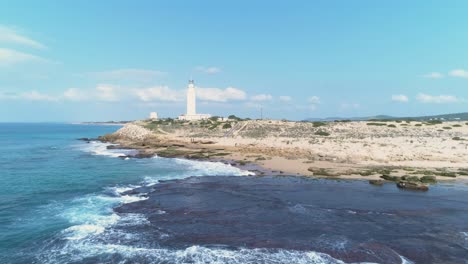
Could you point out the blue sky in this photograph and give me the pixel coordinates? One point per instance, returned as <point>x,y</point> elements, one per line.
<point>120,60</point>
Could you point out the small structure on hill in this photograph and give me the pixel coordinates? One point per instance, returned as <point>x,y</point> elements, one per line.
<point>191,105</point>
<point>153,116</point>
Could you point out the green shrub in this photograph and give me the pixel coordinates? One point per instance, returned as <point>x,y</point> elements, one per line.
<point>446,174</point>
<point>447,128</point>
<point>319,124</point>
<point>457,125</point>
<point>433,122</point>
<point>366,173</point>
<point>457,138</point>
<point>227,125</point>
<point>428,179</point>
<point>233,117</point>
<point>322,133</point>
<point>391,125</point>
<point>390,178</point>
<point>321,172</point>
<point>376,124</point>
<point>410,178</point>
<point>418,125</point>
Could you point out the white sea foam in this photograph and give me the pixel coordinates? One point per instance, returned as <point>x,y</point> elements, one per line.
<point>82,231</point>
<point>405,260</point>
<point>100,149</point>
<point>465,234</point>
<point>92,214</point>
<point>79,251</point>
<point>208,168</point>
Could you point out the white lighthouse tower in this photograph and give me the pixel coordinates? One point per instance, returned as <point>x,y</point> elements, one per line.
<point>191,99</point>
<point>191,105</point>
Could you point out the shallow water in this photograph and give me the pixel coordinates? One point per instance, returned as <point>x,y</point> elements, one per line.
<point>68,201</point>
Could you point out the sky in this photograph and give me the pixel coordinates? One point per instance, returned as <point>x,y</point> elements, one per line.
<point>69,61</point>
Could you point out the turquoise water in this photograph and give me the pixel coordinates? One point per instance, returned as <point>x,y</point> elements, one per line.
<point>56,189</point>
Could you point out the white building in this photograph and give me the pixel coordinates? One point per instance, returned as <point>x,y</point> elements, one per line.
<point>153,116</point>
<point>191,105</point>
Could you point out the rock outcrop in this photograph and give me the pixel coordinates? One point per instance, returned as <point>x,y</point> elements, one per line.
<point>133,132</point>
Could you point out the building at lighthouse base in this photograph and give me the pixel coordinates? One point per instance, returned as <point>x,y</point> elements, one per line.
<point>194,117</point>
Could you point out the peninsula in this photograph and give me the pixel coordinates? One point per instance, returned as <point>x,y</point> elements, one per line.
<point>371,150</point>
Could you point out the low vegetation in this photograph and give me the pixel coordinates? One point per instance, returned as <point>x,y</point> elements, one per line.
<point>322,133</point>
<point>376,124</point>
<point>319,124</point>
<point>322,172</point>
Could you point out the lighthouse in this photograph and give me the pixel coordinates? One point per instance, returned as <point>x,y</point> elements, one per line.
<point>191,99</point>
<point>192,105</point>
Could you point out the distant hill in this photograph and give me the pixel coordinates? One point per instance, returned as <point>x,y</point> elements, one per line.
<point>446,117</point>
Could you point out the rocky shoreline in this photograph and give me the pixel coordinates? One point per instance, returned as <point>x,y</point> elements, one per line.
<point>150,143</point>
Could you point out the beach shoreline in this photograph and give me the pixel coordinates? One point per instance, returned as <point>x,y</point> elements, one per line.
<point>276,155</point>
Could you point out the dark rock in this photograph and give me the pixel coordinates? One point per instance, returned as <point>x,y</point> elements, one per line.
<point>412,186</point>
<point>376,182</point>
<point>143,155</point>
<point>87,140</point>
<point>410,178</point>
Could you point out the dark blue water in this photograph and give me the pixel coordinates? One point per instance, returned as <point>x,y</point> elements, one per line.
<point>55,188</point>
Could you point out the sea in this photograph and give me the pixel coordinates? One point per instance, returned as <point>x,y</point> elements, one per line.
<point>65,200</point>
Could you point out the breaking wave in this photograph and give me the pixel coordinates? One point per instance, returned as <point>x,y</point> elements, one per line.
<point>100,149</point>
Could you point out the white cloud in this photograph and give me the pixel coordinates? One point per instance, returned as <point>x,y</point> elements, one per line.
<point>10,57</point>
<point>111,93</point>
<point>220,95</point>
<point>108,93</point>
<point>262,97</point>
<point>285,98</point>
<point>208,70</point>
<point>400,98</point>
<point>314,100</point>
<point>437,99</point>
<point>433,75</point>
<point>36,96</point>
<point>11,35</point>
<point>75,94</point>
<point>127,74</point>
<point>159,93</point>
<point>459,73</point>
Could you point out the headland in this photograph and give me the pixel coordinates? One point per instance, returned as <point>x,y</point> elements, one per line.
<point>420,152</point>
